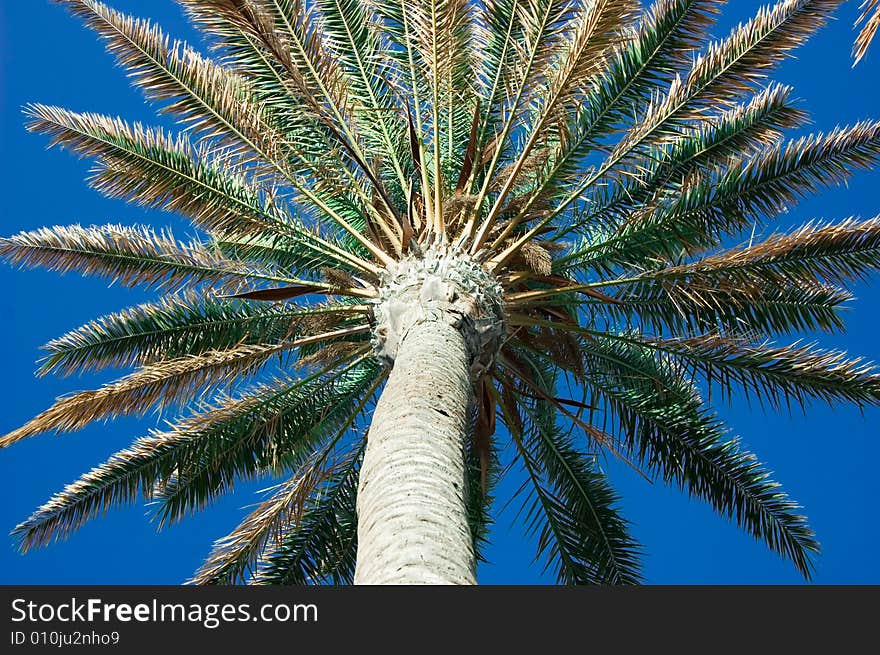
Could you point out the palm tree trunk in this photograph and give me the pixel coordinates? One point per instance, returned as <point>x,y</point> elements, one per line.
<point>412,517</point>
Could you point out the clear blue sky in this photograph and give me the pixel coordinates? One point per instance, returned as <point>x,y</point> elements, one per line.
<point>826,459</point>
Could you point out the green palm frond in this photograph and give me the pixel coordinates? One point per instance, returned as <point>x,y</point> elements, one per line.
<point>696,216</point>
<point>441,33</point>
<point>796,372</point>
<point>697,305</point>
<point>753,48</point>
<point>662,418</point>
<point>271,418</point>
<point>229,456</point>
<point>724,71</point>
<point>237,554</point>
<point>483,473</point>
<point>285,31</point>
<point>269,430</point>
<point>149,167</point>
<point>781,284</point>
<point>667,33</point>
<point>351,30</point>
<point>595,29</point>
<point>321,546</point>
<point>581,534</point>
<point>500,33</point>
<point>290,71</point>
<point>234,32</point>
<point>747,128</point>
<point>209,98</point>
<point>869,29</point>
<point>543,24</point>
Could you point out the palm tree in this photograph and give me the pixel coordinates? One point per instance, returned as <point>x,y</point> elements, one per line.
<point>431,217</point>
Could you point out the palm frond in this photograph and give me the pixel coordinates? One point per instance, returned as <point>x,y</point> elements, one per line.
<point>500,29</point>
<point>696,216</point>
<point>869,29</point>
<point>596,26</point>
<point>581,533</point>
<point>236,554</point>
<point>482,473</point>
<point>744,130</point>
<point>441,32</point>
<point>267,415</point>
<point>724,71</point>
<point>770,372</point>
<point>233,556</point>
<point>812,257</point>
<point>543,21</point>
<point>322,545</point>
<point>697,305</point>
<point>351,30</point>
<point>727,69</point>
<point>149,167</point>
<point>207,97</point>
<point>176,326</point>
<point>662,418</point>
<point>288,40</point>
<point>131,256</point>
<point>164,384</point>
<point>832,253</point>
<point>287,61</point>
<point>667,34</point>
<point>668,31</point>
<point>323,418</point>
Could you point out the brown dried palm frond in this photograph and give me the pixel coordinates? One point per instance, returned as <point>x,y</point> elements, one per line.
<point>869,29</point>
<point>830,253</point>
<point>233,557</point>
<point>330,352</point>
<point>131,256</point>
<point>211,99</point>
<point>160,385</point>
<point>534,257</point>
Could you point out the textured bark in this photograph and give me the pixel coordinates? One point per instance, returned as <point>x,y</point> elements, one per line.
<point>412,518</point>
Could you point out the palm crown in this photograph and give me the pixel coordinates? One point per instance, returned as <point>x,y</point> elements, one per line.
<point>578,151</point>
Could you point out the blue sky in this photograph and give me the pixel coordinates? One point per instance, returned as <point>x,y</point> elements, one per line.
<point>825,457</point>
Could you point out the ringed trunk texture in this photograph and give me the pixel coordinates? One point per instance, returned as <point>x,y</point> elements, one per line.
<point>412,518</point>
